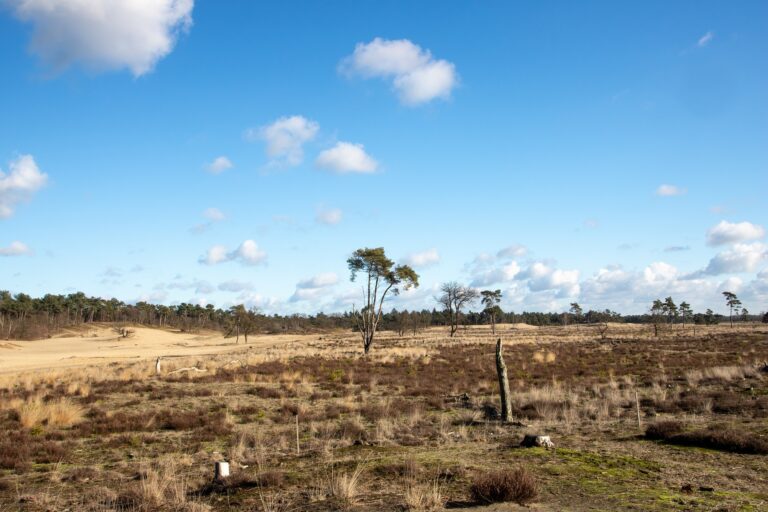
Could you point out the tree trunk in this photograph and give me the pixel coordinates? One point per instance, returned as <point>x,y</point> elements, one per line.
<point>501,369</point>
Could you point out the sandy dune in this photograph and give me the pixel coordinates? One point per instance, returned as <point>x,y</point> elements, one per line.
<point>102,346</point>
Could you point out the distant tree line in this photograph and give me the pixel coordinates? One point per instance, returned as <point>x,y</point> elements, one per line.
<point>25,317</point>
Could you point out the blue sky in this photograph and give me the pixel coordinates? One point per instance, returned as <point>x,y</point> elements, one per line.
<point>606,153</point>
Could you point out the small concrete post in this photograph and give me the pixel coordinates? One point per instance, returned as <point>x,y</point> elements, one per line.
<point>221,470</point>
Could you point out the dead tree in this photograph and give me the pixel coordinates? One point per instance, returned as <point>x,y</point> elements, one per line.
<point>501,369</point>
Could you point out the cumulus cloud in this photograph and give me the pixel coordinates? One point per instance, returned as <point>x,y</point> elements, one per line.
<point>248,253</point>
<point>542,277</point>
<point>422,259</point>
<point>491,276</point>
<point>260,302</point>
<point>313,288</point>
<point>215,254</point>
<point>235,286</point>
<point>346,157</point>
<point>104,34</point>
<point>179,283</point>
<point>219,165</point>
<point>739,258</point>
<point>729,232</point>
<point>328,216</point>
<point>705,39</point>
<point>285,139</point>
<point>319,281</point>
<point>15,248</point>
<point>22,180</point>
<point>512,251</point>
<point>416,75</point>
<point>659,271</point>
<point>669,191</point>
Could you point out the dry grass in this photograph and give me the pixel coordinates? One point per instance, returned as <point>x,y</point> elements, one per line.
<point>344,488</point>
<point>34,412</point>
<point>418,404</point>
<point>423,496</point>
<point>517,486</point>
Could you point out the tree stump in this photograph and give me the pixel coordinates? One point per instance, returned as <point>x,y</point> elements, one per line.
<point>531,441</point>
<point>501,369</point>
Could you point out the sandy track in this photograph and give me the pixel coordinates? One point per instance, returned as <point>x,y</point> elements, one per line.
<point>103,346</point>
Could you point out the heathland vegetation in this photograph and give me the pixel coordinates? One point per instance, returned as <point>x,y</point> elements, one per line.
<point>646,412</point>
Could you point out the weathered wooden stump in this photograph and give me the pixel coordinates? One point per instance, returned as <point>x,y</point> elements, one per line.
<point>531,441</point>
<point>501,370</point>
<point>221,470</point>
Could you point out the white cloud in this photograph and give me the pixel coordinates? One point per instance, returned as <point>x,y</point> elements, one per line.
<point>328,216</point>
<point>541,277</point>
<point>219,165</point>
<point>319,281</point>
<point>285,139</point>
<point>728,232</point>
<point>705,39</point>
<point>659,271</point>
<point>104,34</point>
<point>199,285</point>
<point>423,259</point>
<point>346,157</point>
<point>22,180</point>
<point>677,248</point>
<point>215,254</point>
<point>739,258</point>
<point>502,274</point>
<point>512,251</point>
<point>261,302</point>
<point>314,287</point>
<point>248,253</point>
<point>416,75</point>
<point>669,191</point>
<point>213,214</point>
<point>235,286</point>
<point>15,248</point>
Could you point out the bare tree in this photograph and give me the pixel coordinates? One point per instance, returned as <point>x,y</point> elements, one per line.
<point>453,299</point>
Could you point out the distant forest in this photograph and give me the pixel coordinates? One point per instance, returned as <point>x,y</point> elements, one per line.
<point>24,317</point>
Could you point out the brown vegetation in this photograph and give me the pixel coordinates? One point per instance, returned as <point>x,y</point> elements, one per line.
<point>415,425</point>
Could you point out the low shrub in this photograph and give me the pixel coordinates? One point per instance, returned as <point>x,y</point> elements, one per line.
<point>716,438</point>
<point>509,485</point>
<point>663,429</point>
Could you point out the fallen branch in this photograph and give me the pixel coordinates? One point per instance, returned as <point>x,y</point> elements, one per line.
<point>190,369</point>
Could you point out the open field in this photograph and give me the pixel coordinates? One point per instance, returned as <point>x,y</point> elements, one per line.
<point>309,424</point>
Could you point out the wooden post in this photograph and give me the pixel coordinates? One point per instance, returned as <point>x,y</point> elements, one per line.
<point>637,407</point>
<point>157,366</point>
<point>501,369</point>
<point>298,451</point>
<point>221,470</point>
